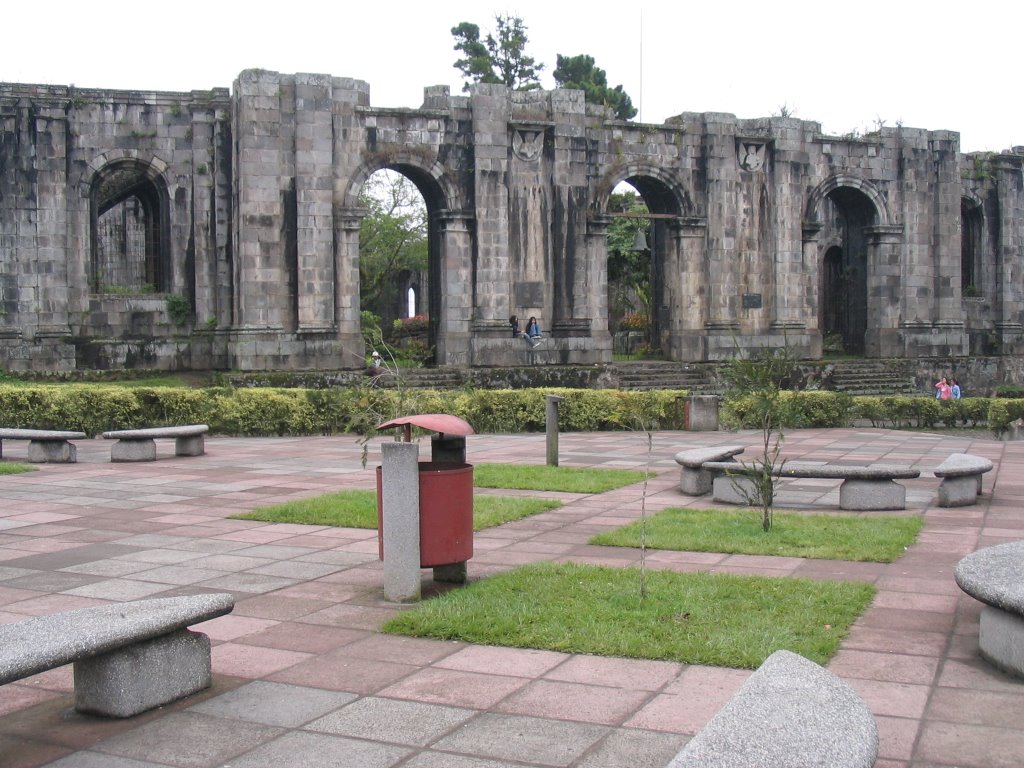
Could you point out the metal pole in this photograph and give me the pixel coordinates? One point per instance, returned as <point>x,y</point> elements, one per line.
<point>551,427</point>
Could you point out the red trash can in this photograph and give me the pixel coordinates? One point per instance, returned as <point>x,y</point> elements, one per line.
<point>446,513</point>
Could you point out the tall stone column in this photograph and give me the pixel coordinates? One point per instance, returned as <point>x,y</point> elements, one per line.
<point>491,112</point>
<point>1007,170</point>
<point>262,179</point>
<point>49,228</point>
<point>597,258</point>
<point>314,189</point>
<point>882,338</point>
<point>456,274</point>
<point>346,289</point>
<point>722,324</point>
<point>791,315</point>
<point>689,340</point>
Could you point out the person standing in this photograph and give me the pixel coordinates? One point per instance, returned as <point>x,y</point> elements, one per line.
<point>955,389</point>
<point>942,389</point>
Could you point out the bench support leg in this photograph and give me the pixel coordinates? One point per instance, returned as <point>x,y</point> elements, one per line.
<point>52,452</point>
<point>131,680</point>
<point>958,491</point>
<point>1001,639</point>
<point>193,445</point>
<point>133,450</point>
<point>872,495</point>
<point>734,489</point>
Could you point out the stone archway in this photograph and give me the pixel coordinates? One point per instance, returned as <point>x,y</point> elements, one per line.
<point>662,278</point>
<point>448,249</point>
<point>129,230</point>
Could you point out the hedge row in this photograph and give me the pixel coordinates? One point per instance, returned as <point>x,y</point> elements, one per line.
<point>94,409</point>
<point>264,411</point>
<point>835,409</point>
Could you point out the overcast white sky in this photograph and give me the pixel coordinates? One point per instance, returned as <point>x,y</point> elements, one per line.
<point>935,65</point>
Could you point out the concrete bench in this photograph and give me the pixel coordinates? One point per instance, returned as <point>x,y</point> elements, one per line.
<point>694,479</point>
<point>128,657</point>
<point>139,445</point>
<point>791,713</point>
<point>45,445</point>
<point>864,488</point>
<point>961,479</point>
<point>995,576</point>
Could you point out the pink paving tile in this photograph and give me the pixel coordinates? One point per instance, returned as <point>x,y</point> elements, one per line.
<point>887,667</point>
<point>319,591</point>
<point>617,673</point>
<point>918,602</point>
<point>61,679</point>
<point>896,699</point>
<point>456,688</point>
<point>574,701</point>
<point>896,737</point>
<point>231,627</point>
<point>336,672</point>
<point>252,661</point>
<point>256,536</point>
<point>514,662</point>
<point>352,616</point>
<point>675,714</point>
<point>998,709</point>
<point>891,641</point>
<point>17,697</point>
<point>46,604</point>
<point>977,674</point>
<point>403,650</point>
<point>970,746</point>
<point>307,638</point>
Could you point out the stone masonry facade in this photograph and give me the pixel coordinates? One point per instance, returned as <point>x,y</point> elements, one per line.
<point>220,229</point>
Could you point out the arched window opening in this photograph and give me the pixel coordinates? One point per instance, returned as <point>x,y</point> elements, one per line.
<point>844,271</point>
<point>640,208</point>
<point>129,232</point>
<point>970,248</point>
<point>394,260</point>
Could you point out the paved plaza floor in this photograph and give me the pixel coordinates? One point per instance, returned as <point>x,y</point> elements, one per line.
<point>302,677</point>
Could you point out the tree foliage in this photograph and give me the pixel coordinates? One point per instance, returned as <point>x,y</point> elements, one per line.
<point>392,239</point>
<point>581,73</point>
<point>761,379</point>
<point>499,58</point>
<point>629,271</point>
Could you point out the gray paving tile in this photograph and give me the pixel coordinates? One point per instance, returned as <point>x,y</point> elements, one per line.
<point>635,748</point>
<point>189,740</point>
<point>316,750</point>
<point>402,722</point>
<point>288,706</point>
<point>99,760</point>
<point>528,739</point>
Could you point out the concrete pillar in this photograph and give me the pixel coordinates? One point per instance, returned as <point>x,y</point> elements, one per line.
<point>400,504</point>
<point>551,427</point>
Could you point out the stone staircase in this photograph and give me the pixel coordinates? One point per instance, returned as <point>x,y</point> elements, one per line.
<point>855,377</point>
<point>699,378</point>
<point>870,377</point>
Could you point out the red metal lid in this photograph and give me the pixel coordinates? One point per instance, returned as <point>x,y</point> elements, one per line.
<point>436,422</point>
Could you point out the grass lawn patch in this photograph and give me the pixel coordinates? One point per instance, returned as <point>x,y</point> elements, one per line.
<point>14,468</point>
<point>540,477</point>
<point>879,539</point>
<point>693,618</point>
<point>358,509</point>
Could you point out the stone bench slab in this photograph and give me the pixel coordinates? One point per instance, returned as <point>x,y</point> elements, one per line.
<point>865,487</point>
<point>961,479</point>
<point>128,657</point>
<point>139,445</point>
<point>46,446</point>
<point>694,479</point>
<point>791,713</point>
<point>995,576</point>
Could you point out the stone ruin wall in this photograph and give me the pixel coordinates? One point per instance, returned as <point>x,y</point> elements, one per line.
<point>257,194</point>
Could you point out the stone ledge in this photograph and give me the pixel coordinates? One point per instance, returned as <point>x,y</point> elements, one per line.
<point>790,712</point>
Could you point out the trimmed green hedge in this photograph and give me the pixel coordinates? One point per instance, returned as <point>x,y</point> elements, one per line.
<point>92,409</point>
<point>267,411</point>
